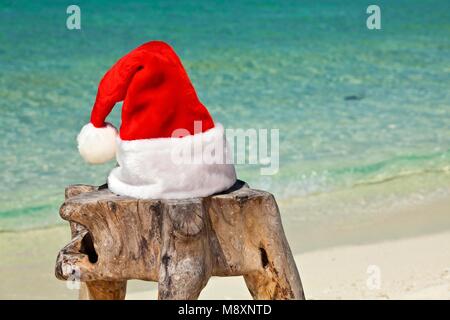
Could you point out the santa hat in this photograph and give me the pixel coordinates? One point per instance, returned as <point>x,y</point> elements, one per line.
<point>161,117</point>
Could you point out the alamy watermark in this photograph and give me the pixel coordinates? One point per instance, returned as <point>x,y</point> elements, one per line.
<point>73,276</point>
<point>373,281</point>
<point>249,146</point>
<point>373,21</point>
<point>73,21</point>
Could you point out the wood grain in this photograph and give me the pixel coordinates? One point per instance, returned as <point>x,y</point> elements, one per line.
<point>178,243</point>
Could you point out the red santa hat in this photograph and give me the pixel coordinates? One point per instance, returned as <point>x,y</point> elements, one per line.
<point>161,117</point>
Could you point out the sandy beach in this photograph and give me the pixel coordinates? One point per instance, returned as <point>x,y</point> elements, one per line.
<point>414,268</point>
<point>405,256</point>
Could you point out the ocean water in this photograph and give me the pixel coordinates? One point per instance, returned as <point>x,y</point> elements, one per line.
<point>364,116</point>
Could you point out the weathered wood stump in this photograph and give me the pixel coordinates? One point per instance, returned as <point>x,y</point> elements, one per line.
<point>178,243</point>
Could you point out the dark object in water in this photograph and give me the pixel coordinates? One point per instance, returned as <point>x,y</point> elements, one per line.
<point>353,97</point>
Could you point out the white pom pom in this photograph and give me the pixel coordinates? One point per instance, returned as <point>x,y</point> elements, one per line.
<point>97,145</point>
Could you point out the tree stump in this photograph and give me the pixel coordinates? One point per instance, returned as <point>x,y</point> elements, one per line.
<point>178,243</point>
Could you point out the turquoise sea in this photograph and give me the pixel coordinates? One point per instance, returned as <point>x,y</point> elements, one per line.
<point>364,115</point>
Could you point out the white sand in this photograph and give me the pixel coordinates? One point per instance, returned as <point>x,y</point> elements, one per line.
<point>410,268</point>
<point>414,268</point>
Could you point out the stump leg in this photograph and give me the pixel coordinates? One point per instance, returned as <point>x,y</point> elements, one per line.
<point>103,290</point>
<point>180,279</point>
<point>185,265</point>
<point>266,285</point>
<point>94,290</point>
<point>278,277</point>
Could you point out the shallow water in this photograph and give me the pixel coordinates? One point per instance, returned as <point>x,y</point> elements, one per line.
<point>354,107</point>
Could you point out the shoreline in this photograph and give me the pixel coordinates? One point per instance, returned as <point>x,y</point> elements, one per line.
<point>28,257</point>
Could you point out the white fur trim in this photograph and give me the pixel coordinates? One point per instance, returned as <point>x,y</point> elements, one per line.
<point>97,145</point>
<point>148,170</point>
